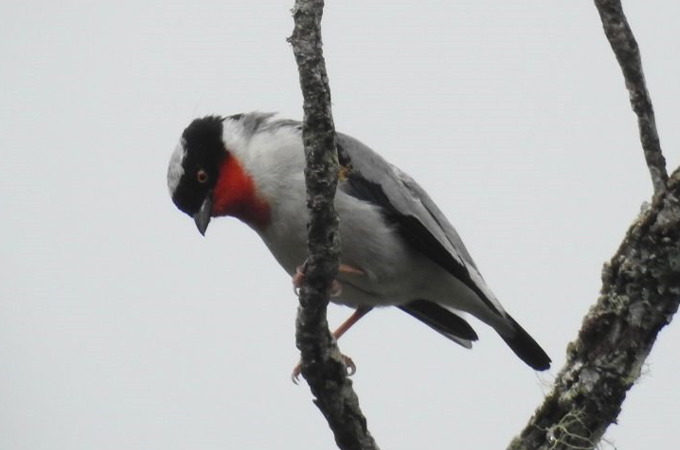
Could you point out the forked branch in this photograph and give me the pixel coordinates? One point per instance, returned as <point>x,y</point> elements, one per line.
<point>640,289</point>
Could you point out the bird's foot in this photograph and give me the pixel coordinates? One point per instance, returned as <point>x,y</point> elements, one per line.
<point>336,286</point>
<point>346,360</point>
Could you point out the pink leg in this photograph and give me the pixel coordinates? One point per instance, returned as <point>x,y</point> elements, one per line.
<point>351,320</point>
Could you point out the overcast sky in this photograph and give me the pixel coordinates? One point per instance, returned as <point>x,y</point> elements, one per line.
<point>122,328</point>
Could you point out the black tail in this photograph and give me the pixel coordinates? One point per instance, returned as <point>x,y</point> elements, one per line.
<point>526,348</point>
<point>441,319</point>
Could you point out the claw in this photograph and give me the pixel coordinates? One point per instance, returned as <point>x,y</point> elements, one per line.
<point>336,286</point>
<point>295,376</point>
<point>346,360</point>
<point>299,278</point>
<point>349,365</point>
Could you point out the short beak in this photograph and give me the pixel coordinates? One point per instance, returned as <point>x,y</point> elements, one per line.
<point>202,217</point>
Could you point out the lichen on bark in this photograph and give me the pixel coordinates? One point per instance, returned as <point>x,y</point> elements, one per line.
<point>640,294</point>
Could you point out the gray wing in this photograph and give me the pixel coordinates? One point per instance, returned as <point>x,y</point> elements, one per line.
<point>423,226</point>
<point>419,221</point>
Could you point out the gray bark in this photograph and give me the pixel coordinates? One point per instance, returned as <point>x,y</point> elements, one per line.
<point>627,53</point>
<point>322,365</point>
<point>640,289</point>
<point>640,294</point>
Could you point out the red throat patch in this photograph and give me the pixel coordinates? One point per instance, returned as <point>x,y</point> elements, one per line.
<point>235,195</point>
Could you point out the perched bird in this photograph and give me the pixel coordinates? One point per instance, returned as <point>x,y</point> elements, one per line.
<point>397,248</point>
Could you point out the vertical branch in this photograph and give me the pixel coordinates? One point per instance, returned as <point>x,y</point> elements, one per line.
<point>322,365</point>
<point>625,48</point>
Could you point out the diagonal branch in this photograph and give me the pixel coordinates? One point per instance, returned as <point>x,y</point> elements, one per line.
<point>640,290</point>
<point>640,294</point>
<point>625,48</point>
<point>322,365</point>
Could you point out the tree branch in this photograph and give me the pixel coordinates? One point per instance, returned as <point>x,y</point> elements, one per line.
<point>640,290</point>
<point>640,295</point>
<point>625,48</point>
<point>322,365</point>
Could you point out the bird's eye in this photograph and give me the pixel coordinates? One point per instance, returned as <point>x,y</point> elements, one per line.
<point>202,176</point>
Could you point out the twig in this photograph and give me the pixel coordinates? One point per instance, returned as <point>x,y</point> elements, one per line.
<point>322,365</point>
<point>625,48</point>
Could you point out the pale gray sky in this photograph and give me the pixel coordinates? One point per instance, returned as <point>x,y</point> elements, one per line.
<point>122,328</point>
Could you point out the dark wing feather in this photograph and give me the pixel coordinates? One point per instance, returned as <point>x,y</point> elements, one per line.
<point>419,222</point>
<point>524,346</point>
<point>441,320</point>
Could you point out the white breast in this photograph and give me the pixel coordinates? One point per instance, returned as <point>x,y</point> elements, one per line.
<point>393,273</point>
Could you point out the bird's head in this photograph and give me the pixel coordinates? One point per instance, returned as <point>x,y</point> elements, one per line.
<point>207,180</point>
<point>195,167</point>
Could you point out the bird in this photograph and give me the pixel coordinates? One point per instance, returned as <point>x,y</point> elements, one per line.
<point>397,247</point>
